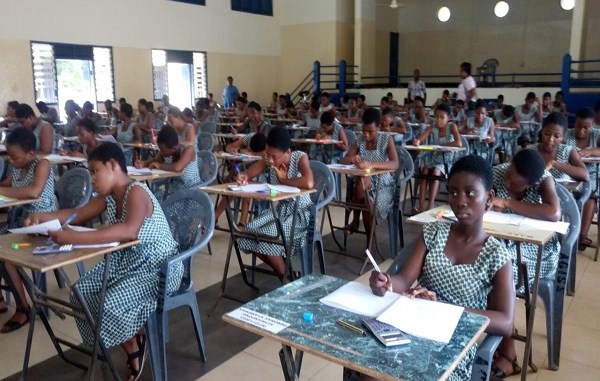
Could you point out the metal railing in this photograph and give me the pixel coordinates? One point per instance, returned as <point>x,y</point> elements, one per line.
<point>330,78</point>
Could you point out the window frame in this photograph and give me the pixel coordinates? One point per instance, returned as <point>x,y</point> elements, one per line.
<point>191,63</point>
<point>255,7</point>
<point>192,2</point>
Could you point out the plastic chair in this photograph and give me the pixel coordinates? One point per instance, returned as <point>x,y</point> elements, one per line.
<point>204,141</point>
<point>351,136</point>
<point>208,167</point>
<point>191,217</point>
<point>3,168</point>
<point>552,291</point>
<point>581,196</point>
<point>208,126</point>
<point>402,176</point>
<point>482,363</point>
<point>496,146</point>
<point>324,183</point>
<point>488,68</point>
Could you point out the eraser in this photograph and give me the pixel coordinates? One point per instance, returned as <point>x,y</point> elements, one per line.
<point>308,317</point>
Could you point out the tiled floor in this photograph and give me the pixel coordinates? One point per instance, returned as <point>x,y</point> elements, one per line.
<point>580,340</point>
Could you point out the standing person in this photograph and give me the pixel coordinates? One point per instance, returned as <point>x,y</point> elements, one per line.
<point>416,87</point>
<point>467,89</point>
<point>230,93</point>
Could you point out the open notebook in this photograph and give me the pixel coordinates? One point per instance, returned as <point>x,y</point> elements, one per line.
<point>418,317</point>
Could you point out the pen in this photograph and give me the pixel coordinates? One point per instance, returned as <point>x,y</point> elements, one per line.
<point>350,326</point>
<point>235,168</point>
<point>372,261</point>
<point>68,221</point>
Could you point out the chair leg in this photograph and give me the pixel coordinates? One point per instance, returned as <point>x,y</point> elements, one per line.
<point>198,327</point>
<point>321,254</point>
<point>80,268</point>
<point>153,335</point>
<point>209,249</point>
<point>553,322</point>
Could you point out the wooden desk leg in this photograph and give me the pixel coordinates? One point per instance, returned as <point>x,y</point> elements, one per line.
<point>290,365</point>
<point>527,357</point>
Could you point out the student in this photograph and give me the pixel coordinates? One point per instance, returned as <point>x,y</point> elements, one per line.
<point>10,119</point>
<point>499,103</point>
<point>506,117</point>
<point>389,123</point>
<point>70,128</point>
<point>523,187</point>
<point>290,111</point>
<point>43,131</point>
<point>459,263</point>
<point>326,105</point>
<point>330,130</point>
<point>372,150</point>
<point>88,112</point>
<point>203,111</point>
<point>128,130</point>
<point>29,178</point>
<point>145,120</point>
<point>353,112</point>
<point>467,89</point>
<point>383,103</point>
<point>112,113</point>
<point>416,87</point>
<point>272,107</point>
<point>188,117</point>
<point>442,132</point>
<point>481,125</point>
<point>559,103</point>
<point>345,101</point>
<point>444,99</point>
<point>86,132</point>
<point>418,115</point>
<point>562,161</point>
<point>131,295</point>
<point>287,168</point>
<point>361,103</point>
<point>528,112</point>
<point>48,114</point>
<point>391,101</point>
<point>280,109</point>
<point>596,121</point>
<point>546,104</point>
<point>185,131</point>
<point>586,140</point>
<point>312,119</point>
<point>241,109</point>
<point>174,157</point>
<point>458,113</point>
<point>255,121</point>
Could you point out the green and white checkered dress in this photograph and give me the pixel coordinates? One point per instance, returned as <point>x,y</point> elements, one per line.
<point>190,176</point>
<point>265,223</point>
<point>562,156</point>
<point>466,285</point>
<point>132,277</point>
<point>593,143</point>
<point>529,251</point>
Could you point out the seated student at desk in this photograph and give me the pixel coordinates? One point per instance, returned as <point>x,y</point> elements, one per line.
<point>390,123</point>
<point>86,132</point>
<point>586,140</point>
<point>10,119</point>
<point>128,130</point>
<point>287,168</point>
<point>290,111</point>
<point>145,120</point>
<point>528,112</point>
<point>506,117</point>
<point>241,109</point>
<point>330,130</point>
<point>42,130</point>
<point>174,157</point>
<point>480,124</point>
<point>185,131</point>
<point>459,116</point>
<point>372,150</point>
<point>442,132</point>
<point>312,118</point>
<point>458,262</point>
<point>71,109</point>
<point>29,178</point>
<point>418,115</point>
<point>132,213</point>
<point>353,112</point>
<point>255,121</point>
<point>562,161</point>
<point>525,188</point>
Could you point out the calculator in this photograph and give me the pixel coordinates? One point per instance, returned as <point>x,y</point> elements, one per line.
<point>388,334</point>
<point>52,249</point>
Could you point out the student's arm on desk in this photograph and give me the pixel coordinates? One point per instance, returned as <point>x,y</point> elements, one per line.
<point>84,214</point>
<point>492,133</point>
<point>548,210</point>
<point>400,127</point>
<point>352,152</point>
<point>139,206</point>
<point>146,163</point>
<point>40,176</point>
<point>177,166</point>
<point>456,135</point>
<point>136,133</point>
<point>590,152</point>
<point>501,303</point>
<point>421,138</point>
<point>343,145</point>
<point>576,169</point>
<point>234,146</point>
<point>304,182</point>
<point>254,170</point>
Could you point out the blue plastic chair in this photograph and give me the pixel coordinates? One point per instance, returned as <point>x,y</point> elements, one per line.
<point>324,183</point>
<point>191,217</point>
<point>581,196</point>
<point>204,141</point>
<point>402,176</point>
<point>208,126</point>
<point>208,167</point>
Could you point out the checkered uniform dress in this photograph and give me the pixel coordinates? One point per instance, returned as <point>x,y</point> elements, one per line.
<point>466,285</point>
<point>190,176</point>
<point>562,156</point>
<point>593,143</point>
<point>482,131</point>
<point>528,251</point>
<point>437,159</point>
<point>47,201</point>
<point>132,277</point>
<point>328,153</point>
<point>385,181</point>
<point>265,224</point>
<point>37,132</point>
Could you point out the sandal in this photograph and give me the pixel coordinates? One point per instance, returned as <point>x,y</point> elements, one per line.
<point>499,373</point>
<point>584,242</point>
<point>13,325</point>
<point>140,355</point>
<point>351,228</point>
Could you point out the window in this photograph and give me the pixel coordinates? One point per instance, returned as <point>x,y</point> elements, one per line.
<point>179,74</point>
<point>197,2</point>
<point>259,7</point>
<point>66,71</point>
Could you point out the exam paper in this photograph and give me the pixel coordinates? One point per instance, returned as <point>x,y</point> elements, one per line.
<point>423,318</point>
<point>38,229</point>
<point>133,171</point>
<point>55,158</point>
<point>93,245</point>
<point>358,298</point>
<point>342,166</point>
<point>250,188</point>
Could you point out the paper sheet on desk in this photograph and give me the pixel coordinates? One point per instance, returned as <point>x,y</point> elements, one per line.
<point>358,298</point>
<point>267,187</point>
<point>133,171</point>
<point>54,158</point>
<point>38,229</point>
<point>423,318</point>
<point>342,166</point>
<point>92,245</point>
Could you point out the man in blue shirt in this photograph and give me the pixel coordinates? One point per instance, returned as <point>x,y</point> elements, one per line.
<point>230,93</point>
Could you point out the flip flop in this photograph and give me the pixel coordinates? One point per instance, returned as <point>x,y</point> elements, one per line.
<point>350,229</point>
<point>140,355</point>
<point>13,325</point>
<point>501,374</point>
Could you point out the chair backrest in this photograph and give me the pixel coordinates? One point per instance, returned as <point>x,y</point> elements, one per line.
<point>324,183</point>
<point>351,136</point>
<point>402,256</point>
<point>208,167</point>
<point>406,166</point>
<point>491,65</point>
<point>570,213</point>
<point>74,188</point>
<point>191,218</point>
<point>208,126</point>
<point>59,141</point>
<point>3,167</point>
<point>465,143</point>
<point>204,141</point>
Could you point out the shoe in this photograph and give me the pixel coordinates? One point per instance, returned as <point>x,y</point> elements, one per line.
<point>140,355</point>
<point>499,373</point>
<point>13,325</point>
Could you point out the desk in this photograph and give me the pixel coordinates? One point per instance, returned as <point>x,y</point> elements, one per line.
<point>237,158</point>
<point>148,146</point>
<point>145,174</point>
<point>519,234</point>
<point>435,149</point>
<point>23,258</point>
<point>422,359</point>
<point>281,239</point>
<point>8,202</point>
<point>63,160</point>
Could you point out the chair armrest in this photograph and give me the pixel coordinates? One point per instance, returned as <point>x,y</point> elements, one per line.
<point>482,363</point>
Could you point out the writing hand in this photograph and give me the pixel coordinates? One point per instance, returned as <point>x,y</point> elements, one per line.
<point>380,283</point>
<point>139,164</point>
<point>421,293</point>
<point>32,219</point>
<point>154,165</point>
<point>363,165</point>
<point>62,236</point>
<point>499,204</point>
<point>356,160</point>
<point>242,178</point>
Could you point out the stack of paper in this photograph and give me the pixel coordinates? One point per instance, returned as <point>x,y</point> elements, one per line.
<point>358,298</point>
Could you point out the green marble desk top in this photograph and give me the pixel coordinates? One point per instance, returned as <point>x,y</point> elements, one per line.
<point>420,360</point>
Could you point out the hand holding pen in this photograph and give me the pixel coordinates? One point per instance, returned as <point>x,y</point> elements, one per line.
<point>241,178</point>
<point>58,235</point>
